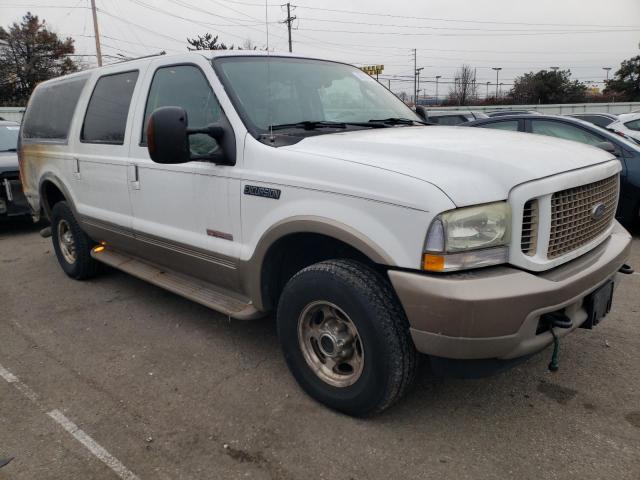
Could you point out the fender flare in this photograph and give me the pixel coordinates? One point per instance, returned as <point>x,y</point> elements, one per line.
<point>60,185</point>
<point>253,268</point>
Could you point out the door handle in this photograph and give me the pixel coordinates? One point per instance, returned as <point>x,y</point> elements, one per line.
<point>76,167</point>
<point>134,177</point>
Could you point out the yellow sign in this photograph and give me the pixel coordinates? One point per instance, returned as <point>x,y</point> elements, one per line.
<point>372,69</point>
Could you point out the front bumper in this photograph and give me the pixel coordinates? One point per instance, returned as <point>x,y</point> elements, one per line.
<point>13,202</point>
<point>495,312</point>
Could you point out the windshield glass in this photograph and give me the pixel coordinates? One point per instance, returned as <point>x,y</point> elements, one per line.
<point>280,90</point>
<point>8,137</point>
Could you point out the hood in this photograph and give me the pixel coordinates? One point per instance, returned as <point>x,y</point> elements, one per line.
<point>470,165</point>
<point>8,162</point>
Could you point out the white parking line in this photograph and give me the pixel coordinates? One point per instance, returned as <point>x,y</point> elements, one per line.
<point>96,449</point>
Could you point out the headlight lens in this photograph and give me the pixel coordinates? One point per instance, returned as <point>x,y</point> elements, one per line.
<point>484,230</point>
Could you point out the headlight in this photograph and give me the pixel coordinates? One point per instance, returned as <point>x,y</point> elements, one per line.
<point>468,237</point>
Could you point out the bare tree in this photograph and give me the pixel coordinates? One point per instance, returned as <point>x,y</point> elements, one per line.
<point>464,89</point>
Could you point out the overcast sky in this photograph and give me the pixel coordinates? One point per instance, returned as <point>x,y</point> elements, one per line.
<point>517,35</point>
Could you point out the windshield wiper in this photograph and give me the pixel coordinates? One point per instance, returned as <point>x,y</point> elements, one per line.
<point>10,150</point>
<point>398,121</point>
<point>316,124</point>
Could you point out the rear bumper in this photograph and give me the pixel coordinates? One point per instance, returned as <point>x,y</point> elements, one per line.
<point>494,313</point>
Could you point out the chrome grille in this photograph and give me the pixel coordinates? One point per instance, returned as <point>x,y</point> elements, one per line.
<point>529,238</point>
<point>573,222</point>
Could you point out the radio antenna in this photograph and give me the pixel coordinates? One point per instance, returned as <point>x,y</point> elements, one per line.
<point>266,23</point>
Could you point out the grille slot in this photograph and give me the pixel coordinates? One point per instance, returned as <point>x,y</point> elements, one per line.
<point>572,222</point>
<point>529,238</point>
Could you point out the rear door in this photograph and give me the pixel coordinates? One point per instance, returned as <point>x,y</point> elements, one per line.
<point>100,165</point>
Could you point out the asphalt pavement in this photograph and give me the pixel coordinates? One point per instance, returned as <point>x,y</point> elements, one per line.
<point>115,378</point>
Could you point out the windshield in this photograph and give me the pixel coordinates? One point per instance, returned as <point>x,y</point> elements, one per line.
<point>279,90</point>
<point>8,137</point>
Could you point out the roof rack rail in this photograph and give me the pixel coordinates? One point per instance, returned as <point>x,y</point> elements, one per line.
<point>130,59</point>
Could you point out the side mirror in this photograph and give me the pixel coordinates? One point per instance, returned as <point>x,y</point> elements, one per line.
<point>607,147</point>
<point>422,113</point>
<point>168,138</point>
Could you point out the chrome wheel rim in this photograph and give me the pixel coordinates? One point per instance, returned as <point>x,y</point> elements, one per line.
<point>330,344</point>
<point>66,242</point>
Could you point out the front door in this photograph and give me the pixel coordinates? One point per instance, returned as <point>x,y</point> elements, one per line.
<point>185,216</point>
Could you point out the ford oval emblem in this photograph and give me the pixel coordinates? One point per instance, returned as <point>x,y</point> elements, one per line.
<point>598,211</point>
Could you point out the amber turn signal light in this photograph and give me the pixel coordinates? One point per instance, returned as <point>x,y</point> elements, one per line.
<point>433,263</point>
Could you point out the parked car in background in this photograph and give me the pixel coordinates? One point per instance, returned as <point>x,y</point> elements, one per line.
<point>599,119</point>
<point>12,201</point>
<point>627,124</point>
<point>584,132</point>
<point>448,117</point>
<point>505,113</point>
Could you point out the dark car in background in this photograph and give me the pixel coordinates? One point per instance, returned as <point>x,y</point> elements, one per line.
<point>580,131</point>
<point>599,119</point>
<point>448,117</point>
<point>12,200</point>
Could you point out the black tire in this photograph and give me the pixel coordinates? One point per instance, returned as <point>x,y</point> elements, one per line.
<point>84,266</point>
<point>366,297</point>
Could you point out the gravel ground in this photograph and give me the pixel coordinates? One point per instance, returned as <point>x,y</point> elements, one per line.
<point>172,390</point>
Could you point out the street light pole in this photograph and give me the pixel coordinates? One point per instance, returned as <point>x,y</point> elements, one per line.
<point>497,69</point>
<point>607,70</point>
<point>488,83</point>
<point>555,69</point>
<point>437,78</point>
<point>418,70</point>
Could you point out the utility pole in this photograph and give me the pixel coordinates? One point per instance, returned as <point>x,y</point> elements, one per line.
<point>438,77</point>
<point>488,83</point>
<point>415,76</point>
<point>96,32</point>
<point>497,69</point>
<point>289,20</point>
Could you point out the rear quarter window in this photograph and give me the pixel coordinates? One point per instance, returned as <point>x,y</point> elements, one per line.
<point>51,110</point>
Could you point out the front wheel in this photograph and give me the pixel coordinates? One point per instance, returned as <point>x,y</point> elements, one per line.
<point>345,337</point>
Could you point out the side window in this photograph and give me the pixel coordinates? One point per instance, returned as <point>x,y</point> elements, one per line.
<point>185,86</point>
<point>564,130</point>
<point>633,125</point>
<point>506,125</point>
<point>106,117</point>
<point>51,109</point>
<point>448,120</point>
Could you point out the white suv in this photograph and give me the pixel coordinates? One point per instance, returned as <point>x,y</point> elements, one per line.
<point>256,183</point>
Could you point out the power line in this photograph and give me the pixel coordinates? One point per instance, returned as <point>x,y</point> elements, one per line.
<point>416,34</point>
<point>492,22</point>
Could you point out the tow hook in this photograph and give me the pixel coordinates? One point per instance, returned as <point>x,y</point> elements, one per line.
<point>556,320</point>
<point>626,269</point>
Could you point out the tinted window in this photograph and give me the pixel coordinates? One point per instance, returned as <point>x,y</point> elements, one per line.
<point>51,109</point>
<point>566,131</point>
<point>596,119</point>
<point>8,137</point>
<point>633,124</point>
<point>448,120</point>
<point>185,86</point>
<point>507,125</point>
<point>106,117</point>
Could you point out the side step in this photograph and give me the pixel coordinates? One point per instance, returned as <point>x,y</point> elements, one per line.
<point>188,287</point>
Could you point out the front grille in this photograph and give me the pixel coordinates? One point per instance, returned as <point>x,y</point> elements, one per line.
<point>573,223</point>
<point>529,239</point>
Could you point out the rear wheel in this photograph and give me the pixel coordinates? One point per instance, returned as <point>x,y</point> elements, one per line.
<point>345,337</point>
<point>71,244</point>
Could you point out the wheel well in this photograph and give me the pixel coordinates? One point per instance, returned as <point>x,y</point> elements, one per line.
<point>51,195</point>
<point>296,251</point>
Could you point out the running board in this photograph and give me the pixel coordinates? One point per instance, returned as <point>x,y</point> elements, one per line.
<point>183,285</point>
